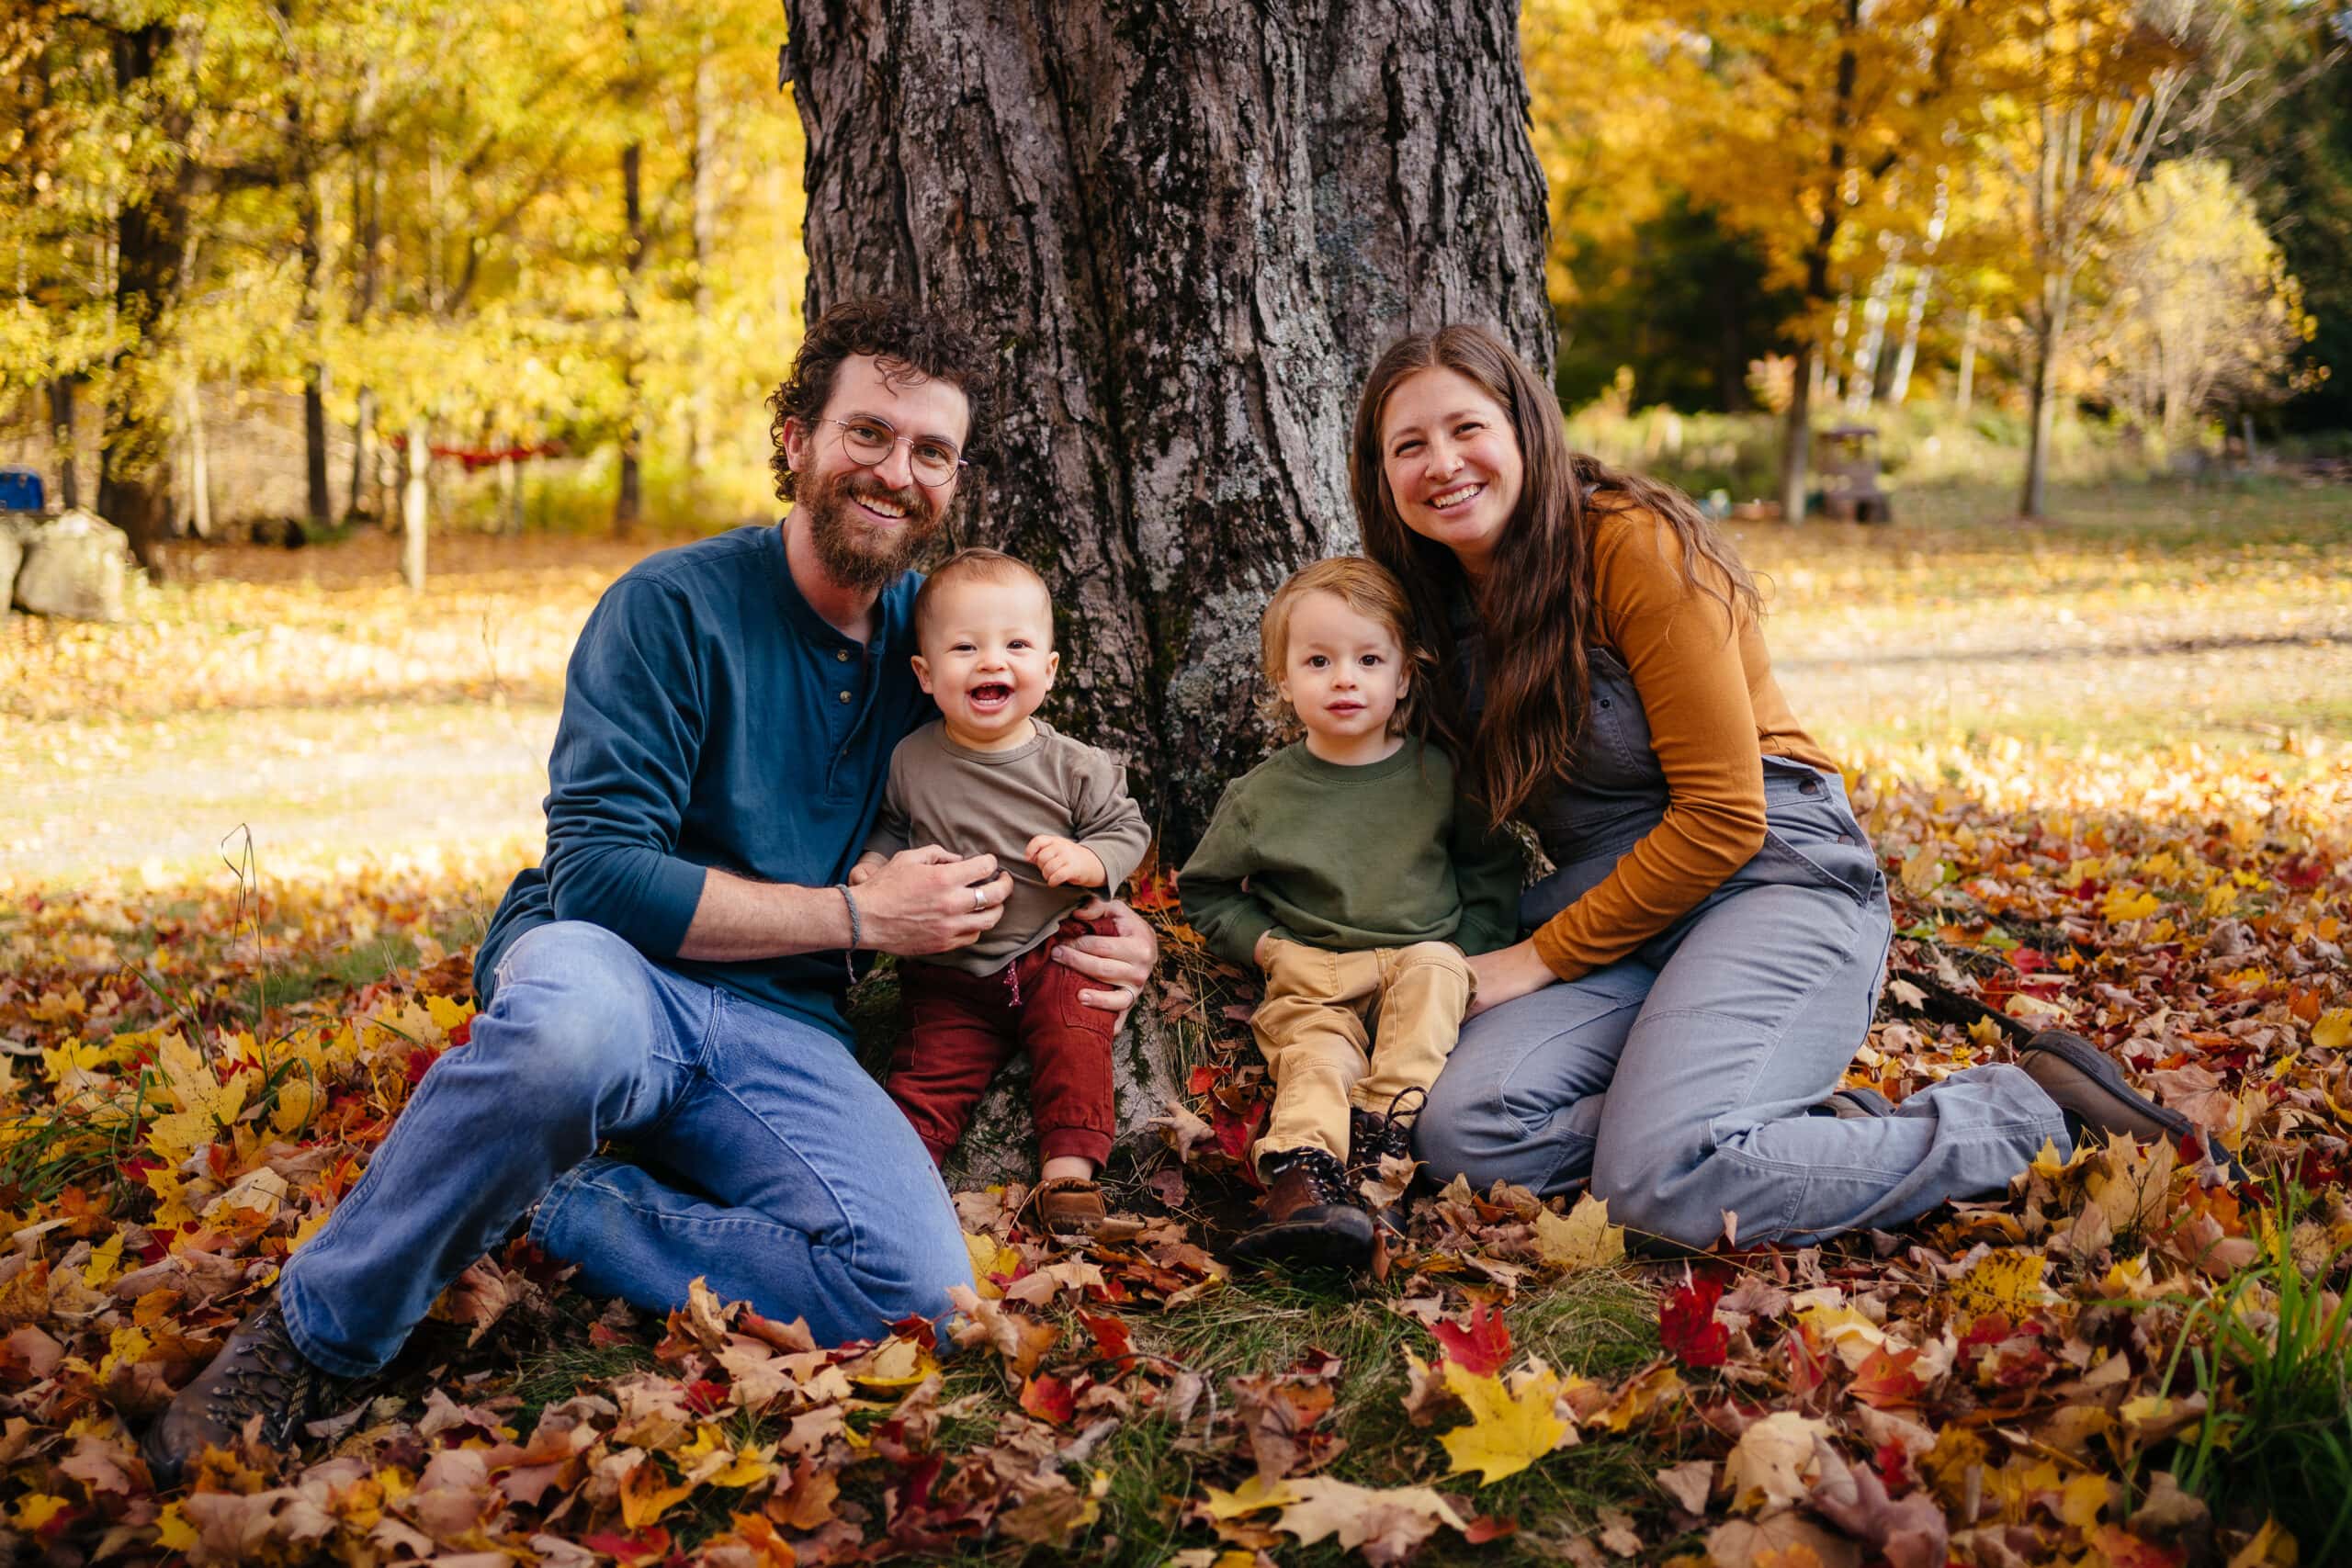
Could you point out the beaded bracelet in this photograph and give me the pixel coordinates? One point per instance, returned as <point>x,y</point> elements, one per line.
<point>856,932</point>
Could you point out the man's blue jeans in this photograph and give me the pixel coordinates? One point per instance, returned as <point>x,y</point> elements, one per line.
<point>763,1159</point>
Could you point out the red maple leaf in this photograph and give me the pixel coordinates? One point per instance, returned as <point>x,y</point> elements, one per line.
<point>1111,1338</point>
<point>1049,1399</point>
<point>630,1549</point>
<point>1687,1325</point>
<point>1886,1381</point>
<point>1482,1347</point>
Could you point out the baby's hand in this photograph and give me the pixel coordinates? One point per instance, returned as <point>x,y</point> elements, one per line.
<point>1063,861</point>
<point>863,872</point>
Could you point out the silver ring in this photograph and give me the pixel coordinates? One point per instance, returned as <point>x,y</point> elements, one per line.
<point>980,900</point>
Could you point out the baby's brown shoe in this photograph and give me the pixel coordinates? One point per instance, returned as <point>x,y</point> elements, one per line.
<point>1069,1207</point>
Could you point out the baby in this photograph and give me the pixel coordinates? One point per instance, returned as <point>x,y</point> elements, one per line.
<point>1345,867</point>
<point>988,778</point>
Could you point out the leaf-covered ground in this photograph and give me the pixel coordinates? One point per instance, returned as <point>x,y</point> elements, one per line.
<point>2121,1360</point>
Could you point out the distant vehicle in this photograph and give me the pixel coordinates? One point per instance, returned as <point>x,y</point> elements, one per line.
<point>21,490</point>
<point>1845,459</point>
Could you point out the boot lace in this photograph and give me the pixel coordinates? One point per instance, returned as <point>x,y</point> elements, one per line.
<point>1327,1178</point>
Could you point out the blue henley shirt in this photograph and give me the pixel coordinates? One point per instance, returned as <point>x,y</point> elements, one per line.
<point>712,718</point>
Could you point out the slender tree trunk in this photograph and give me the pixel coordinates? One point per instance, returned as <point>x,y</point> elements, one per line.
<point>363,455</point>
<point>1189,229</point>
<point>413,504</point>
<point>199,459</point>
<point>704,177</point>
<point>1797,431</point>
<point>1965,398</point>
<point>510,498</point>
<point>64,440</point>
<point>319,504</point>
<point>2049,326</point>
<point>629,501</point>
<point>1872,344</point>
<point>1907,357</point>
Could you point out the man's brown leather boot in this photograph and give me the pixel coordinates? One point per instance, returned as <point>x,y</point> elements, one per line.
<point>1312,1217</point>
<point>258,1372</point>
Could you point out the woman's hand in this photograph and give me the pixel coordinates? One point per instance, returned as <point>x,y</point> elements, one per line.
<point>1119,964</point>
<point>1507,973</point>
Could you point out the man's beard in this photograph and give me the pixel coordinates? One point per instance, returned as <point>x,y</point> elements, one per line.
<point>862,555</point>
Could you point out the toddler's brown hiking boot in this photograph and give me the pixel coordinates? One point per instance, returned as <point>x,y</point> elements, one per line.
<point>1313,1216</point>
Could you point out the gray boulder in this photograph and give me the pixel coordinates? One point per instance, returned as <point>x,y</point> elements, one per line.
<point>73,568</point>
<point>12,556</point>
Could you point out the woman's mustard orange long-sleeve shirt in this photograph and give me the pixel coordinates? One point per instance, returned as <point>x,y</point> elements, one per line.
<point>1715,711</point>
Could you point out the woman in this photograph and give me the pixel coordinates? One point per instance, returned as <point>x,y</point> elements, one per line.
<point>1702,963</point>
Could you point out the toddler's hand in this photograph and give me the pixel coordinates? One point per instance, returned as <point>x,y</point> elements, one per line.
<point>863,872</point>
<point>1265,944</point>
<point>1065,861</point>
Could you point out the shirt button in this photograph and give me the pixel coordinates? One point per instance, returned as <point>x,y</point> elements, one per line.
<point>844,696</point>
<point>841,654</point>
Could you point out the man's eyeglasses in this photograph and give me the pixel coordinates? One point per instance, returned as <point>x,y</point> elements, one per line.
<point>867,442</point>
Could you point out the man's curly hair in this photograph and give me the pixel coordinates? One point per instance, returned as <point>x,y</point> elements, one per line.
<point>909,341</point>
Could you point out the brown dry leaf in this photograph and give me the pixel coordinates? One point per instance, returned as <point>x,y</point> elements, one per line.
<point>1386,1525</point>
<point>1689,1483</point>
<point>1773,1464</point>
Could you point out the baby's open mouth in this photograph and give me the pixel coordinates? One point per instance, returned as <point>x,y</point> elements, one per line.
<point>994,694</point>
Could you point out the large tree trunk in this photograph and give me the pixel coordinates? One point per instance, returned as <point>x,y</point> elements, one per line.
<point>133,474</point>
<point>1189,227</point>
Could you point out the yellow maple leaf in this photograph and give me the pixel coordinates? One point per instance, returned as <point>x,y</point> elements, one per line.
<point>204,1103</point>
<point>1510,1428</point>
<point>173,1532</point>
<point>2126,903</point>
<point>1248,1497</point>
<point>2081,1499</point>
<point>2272,1547</point>
<point>991,1256</point>
<point>1638,1398</point>
<point>35,1509</point>
<point>2002,1280</point>
<point>446,1014</point>
<point>106,1262</point>
<point>1584,1239</point>
<point>647,1494</point>
<point>2333,1031</point>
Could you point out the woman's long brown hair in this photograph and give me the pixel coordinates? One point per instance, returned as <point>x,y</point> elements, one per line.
<point>1537,605</point>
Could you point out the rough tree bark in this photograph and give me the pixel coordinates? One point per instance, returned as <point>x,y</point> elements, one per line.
<point>134,485</point>
<point>1188,226</point>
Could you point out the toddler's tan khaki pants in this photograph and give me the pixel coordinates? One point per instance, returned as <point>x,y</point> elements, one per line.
<point>1353,1028</point>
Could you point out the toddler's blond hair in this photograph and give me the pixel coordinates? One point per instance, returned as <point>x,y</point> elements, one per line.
<point>1369,589</point>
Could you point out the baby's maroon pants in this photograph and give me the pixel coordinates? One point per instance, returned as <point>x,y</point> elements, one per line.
<point>961,1028</point>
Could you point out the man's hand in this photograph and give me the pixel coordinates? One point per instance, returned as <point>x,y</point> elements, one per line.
<point>867,864</point>
<point>1066,861</point>
<point>925,900</point>
<point>1119,964</point>
<point>1507,973</point>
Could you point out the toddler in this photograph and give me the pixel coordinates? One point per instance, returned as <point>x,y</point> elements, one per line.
<point>1344,867</point>
<point>988,778</point>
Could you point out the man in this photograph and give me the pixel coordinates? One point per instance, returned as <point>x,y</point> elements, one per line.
<point>671,975</point>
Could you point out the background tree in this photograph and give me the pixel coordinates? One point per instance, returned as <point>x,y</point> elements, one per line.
<point>2201,314</point>
<point>1189,227</point>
